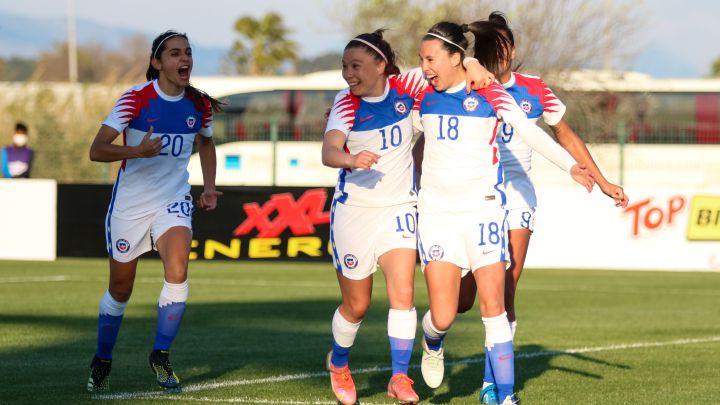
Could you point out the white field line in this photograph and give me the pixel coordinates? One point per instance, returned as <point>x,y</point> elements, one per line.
<point>332,284</point>
<point>304,376</point>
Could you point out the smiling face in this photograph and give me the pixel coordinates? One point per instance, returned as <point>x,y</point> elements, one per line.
<point>363,73</point>
<point>442,69</point>
<point>175,64</point>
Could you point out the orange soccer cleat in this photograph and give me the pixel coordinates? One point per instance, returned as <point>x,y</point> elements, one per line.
<point>342,383</point>
<point>400,388</point>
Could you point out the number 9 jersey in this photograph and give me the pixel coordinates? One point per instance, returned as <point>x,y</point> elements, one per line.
<point>382,125</point>
<point>145,185</point>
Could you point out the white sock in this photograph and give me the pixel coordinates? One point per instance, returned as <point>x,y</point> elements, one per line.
<point>497,330</point>
<point>513,326</point>
<point>109,306</point>
<point>173,293</point>
<point>402,323</point>
<point>430,329</point>
<point>344,332</point>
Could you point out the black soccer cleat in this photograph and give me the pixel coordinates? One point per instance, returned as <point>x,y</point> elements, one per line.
<point>99,375</point>
<point>160,365</point>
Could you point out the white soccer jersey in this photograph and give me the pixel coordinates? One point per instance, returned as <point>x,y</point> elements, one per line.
<point>382,125</point>
<point>535,99</point>
<point>461,164</point>
<point>144,185</point>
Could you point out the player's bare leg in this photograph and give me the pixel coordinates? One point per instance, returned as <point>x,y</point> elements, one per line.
<point>174,249</point>
<point>443,282</point>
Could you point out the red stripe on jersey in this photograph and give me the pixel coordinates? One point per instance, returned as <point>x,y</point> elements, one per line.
<point>421,96</point>
<point>130,104</point>
<point>496,151</point>
<point>537,87</point>
<point>207,113</point>
<point>346,108</point>
<point>411,83</point>
<point>498,97</point>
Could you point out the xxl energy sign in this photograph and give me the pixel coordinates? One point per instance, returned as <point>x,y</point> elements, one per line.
<point>265,223</point>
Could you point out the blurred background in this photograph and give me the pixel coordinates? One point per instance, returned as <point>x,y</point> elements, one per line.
<point>641,81</point>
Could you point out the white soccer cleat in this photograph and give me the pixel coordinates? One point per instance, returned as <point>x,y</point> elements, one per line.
<point>432,366</point>
<point>510,400</point>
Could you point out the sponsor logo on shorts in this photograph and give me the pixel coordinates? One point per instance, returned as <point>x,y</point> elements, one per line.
<point>190,121</point>
<point>470,104</point>
<point>401,108</point>
<point>122,245</point>
<point>351,261</point>
<point>436,252</point>
<point>526,106</point>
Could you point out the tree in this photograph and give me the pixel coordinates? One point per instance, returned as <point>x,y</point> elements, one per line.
<point>263,45</point>
<point>551,36</point>
<point>97,63</point>
<point>715,68</point>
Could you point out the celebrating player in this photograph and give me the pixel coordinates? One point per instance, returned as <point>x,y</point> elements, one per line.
<point>461,219</point>
<point>151,206</point>
<point>373,216</point>
<point>536,100</point>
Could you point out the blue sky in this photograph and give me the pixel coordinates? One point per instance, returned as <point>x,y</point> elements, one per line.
<point>676,39</point>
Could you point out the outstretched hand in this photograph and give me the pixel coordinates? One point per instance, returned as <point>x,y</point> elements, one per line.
<point>616,193</point>
<point>149,147</point>
<point>582,176</point>
<point>208,199</point>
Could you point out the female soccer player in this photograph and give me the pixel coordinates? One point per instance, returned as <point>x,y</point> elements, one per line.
<point>373,216</point>
<point>536,100</point>
<point>461,218</point>
<point>151,206</point>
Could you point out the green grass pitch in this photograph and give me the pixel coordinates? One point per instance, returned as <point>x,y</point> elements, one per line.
<point>259,333</point>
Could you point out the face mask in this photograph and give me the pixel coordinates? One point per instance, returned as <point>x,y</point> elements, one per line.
<point>20,140</point>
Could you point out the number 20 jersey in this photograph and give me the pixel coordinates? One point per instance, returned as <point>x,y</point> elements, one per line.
<point>144,185</point>
<point>382,125</point>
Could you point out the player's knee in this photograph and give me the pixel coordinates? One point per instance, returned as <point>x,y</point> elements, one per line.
<point>402,298</point>
<point>355,310</point>
<point>121,291</point>
<point>443,321</point>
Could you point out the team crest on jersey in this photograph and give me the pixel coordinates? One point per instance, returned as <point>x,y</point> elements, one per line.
<point>190,121</point>
<point>526,106</point>
<point>351,261</point>
<point>401,108</point>
<point>471,104</point>
<point>436,252</point>
<point>122,245</point>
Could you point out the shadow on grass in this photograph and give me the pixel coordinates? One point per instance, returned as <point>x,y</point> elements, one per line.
<point>531,361</point>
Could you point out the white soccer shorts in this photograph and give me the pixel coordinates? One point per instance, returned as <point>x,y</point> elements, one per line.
<point>469,240</point>
<point>129,238</point>
<point>360,235</point>
<point>521,218</point>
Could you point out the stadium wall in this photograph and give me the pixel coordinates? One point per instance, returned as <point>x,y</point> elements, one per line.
<point>27,219</point>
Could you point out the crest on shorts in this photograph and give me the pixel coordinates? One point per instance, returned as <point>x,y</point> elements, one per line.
<point>526,106</point>
<point>122,245</point>
<point>401,108</point>
<point>436,252</point>
<point>470,104</point>
<point>190,121</point>
<point>351,261</point>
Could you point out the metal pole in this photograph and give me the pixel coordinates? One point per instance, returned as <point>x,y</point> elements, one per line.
<point>72,44</point>
<point>274,128</point>
<point>622,140</point>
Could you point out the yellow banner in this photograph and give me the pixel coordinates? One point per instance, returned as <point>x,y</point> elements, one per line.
<point>704,220</point>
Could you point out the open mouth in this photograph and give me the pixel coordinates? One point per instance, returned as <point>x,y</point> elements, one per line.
<point>184,72</point>
<point>432,79</point>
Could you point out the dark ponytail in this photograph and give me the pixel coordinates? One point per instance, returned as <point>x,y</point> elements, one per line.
<point>499,21</point>
<point>386,54</point>
<point>491,46</point>
<point>197,96</point>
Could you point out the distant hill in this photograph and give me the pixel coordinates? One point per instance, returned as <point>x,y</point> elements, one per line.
<point>27,37</point>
